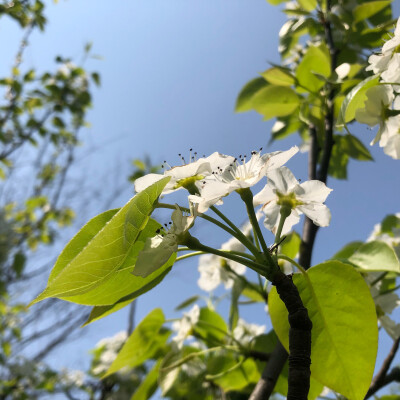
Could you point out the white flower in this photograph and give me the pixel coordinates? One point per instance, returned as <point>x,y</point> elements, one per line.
<point>284,190</point>
<point>392,72</point>
<point>238,175</point>
<point>186,175</point>
<point>184,326</point>
<point>342,70</point>
<point>379,98</point>
<point>391,327</point>
<point>245,332</point>
<point>72,377</point>
<point>379,63</point>
<point>392,44</point>
<point>212,271</point>
<point>158,249</point>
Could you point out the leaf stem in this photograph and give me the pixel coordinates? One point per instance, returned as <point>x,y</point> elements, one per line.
<point>243,238</point>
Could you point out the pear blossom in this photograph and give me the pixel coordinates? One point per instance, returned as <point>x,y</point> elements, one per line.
<point>158,249</point>
<point>186,175</point>
<point>184,326</point>
<point>110,347</point>
<point>212,271</point>
<point>238,175</point>
<point>245,332</point>
<point>379,99</point>
<point>284,190</point>
<point>379,63</point>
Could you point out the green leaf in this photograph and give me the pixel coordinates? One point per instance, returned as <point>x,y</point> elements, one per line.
<point>355,99</point>
<point>101,247</point>
<point>347,251</point>
<point>345,332</point>
<point>244,101</point>
<point>389,223</point>
<point>338,162</point>
<point>19,263</point>
<point>253,294</point>
<point>187,303</point>
<point>278,76</point>
<point>235,375</point>
<point>275,101</point>
<point>291,245</point>
<point>96,78</point>
<point>376,256</point>
<point>237,289</point>
<point>143,343</point>
<point>275,2</point>
<point>99,312</point>
<point>314,61</point>
<point>353,147</point>
<point>368,9</point>
<point>308,5</point>
<point>210,326</point>
<point>149,384</point>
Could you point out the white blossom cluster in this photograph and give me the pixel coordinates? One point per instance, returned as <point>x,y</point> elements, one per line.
<point>383,101</point>
<point>109,348</point>
<point>184,326</point>
<point>210,179</point>
<point>245,332</point>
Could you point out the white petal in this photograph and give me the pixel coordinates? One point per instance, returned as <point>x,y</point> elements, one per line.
<point>265,195</point>
<point>392,147</point>
<point>282,179</point>
<point>145,181</point>
<point>390,327</point>
<point>318,213</point>
<point>342,70</point>
<point>278,158</point>
<point>219,160</point>
<point>315,191</point>
<point>364,117</point>
<point>271,211</point>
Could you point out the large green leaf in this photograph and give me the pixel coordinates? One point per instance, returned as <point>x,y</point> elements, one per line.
<point>353,147</point>
<point>244,101</point>
<point>149,384</point>
<point>210,326</point>
<point>376,256</point>
<point>278,76</point>
<point>355,99</point>
<point>123,283</point>
<point>348,250</point>
<point>275,101</point>
<point>368,9</point>
<point>93,255</point>
<point>143,343</point>
<point>291,245</point>
<point>99,312</point>
<point>315,61</point>
<point>345,331</point>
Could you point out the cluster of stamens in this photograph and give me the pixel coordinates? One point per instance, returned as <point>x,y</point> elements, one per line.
<point>192,158</point>
<point>163,230</point>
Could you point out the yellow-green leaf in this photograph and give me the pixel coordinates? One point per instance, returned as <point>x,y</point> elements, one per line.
<point>275,101</point>
<point>144,341</point>
<point>94,255</point>
<point>368,9</point>
<point>345,329</point>
<point>244,101</point>
<point>376,256</point>
<point>278,76</point>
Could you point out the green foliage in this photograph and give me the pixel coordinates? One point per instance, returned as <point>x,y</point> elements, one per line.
<point>143,343</point>
<point>375,256</point>
<point>244,101</point>
<point>342,358</point>
<point>103,246</point>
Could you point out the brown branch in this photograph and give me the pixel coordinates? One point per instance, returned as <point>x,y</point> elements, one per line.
<point>379,381</point>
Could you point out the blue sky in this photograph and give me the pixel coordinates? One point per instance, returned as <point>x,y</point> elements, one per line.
<point>171,71</point>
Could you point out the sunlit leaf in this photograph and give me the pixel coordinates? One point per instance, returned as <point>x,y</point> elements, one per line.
<point>368,9</point>
<point>101,247</point>
<point>144,341</point>
<point>244,101</point>
<point>275,101</point>
<point>376,256</point>
<point>344,334</point>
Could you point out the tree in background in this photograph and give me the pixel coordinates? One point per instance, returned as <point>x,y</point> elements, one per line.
<point>327,314</point>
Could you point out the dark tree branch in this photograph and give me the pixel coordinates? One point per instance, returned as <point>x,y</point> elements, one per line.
<point>379,381</point>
